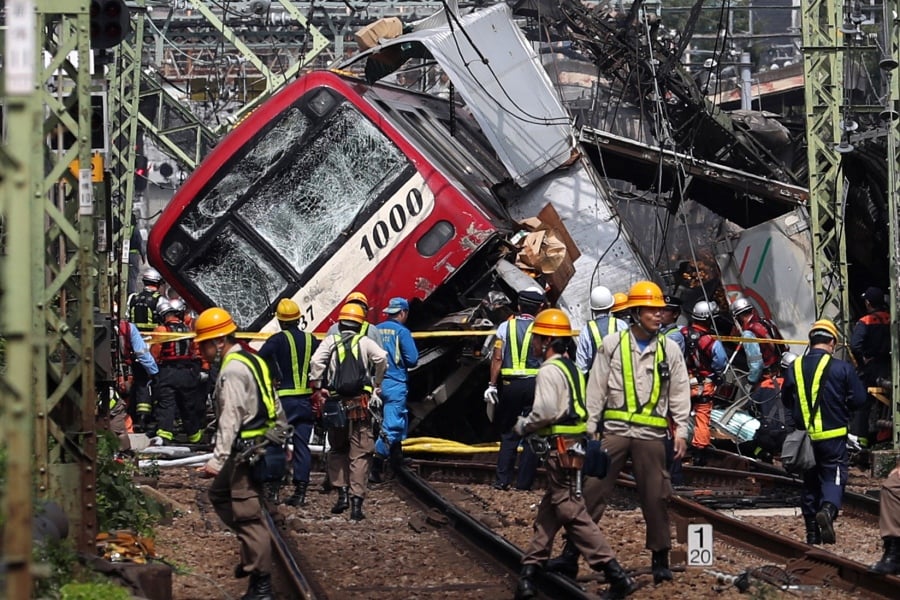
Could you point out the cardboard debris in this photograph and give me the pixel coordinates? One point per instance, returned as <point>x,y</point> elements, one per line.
<point>370,35</point>
<point>548,250</point>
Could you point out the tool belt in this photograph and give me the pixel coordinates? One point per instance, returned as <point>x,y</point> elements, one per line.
<point>570,450</point>
<point>357,408</point>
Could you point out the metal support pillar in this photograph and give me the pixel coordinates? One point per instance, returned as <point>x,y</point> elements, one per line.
<point>64,274</point>
<point>18,329</point>
<point>824,76</point>
<point>124,88</point>
<point>892,38</point>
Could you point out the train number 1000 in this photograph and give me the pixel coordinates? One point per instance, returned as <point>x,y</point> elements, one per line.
<point>397,218</point>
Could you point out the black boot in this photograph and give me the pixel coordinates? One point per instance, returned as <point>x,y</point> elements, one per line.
<point>825,518</point>
<point>298,498</point>
<point>660,566</point>
<point>343,501</point>
<point>356,513</point>
<point>271,489</point>
<point>620,584</point>
<point>565,564</point>
<point>526,588</point>
<point>326,485</point>
<point>890,562</point>
<point>376,470</point>
<point>813,533</point>
<point>396,456</point>
<point>260,587</point>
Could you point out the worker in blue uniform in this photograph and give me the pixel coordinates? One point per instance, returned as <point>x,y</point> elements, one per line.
<point>288,354</point>
<point>821,392</point>
<point>403,355</point>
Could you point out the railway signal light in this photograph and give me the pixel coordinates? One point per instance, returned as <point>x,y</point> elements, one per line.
<point>110,23</point>
<point>141,173</point>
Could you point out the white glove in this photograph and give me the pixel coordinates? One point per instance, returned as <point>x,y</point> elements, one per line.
<point>490,394</point>
<point>519,427</point>
<point>375,402</point>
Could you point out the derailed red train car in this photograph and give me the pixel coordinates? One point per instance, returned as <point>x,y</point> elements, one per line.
<point>331,186</point>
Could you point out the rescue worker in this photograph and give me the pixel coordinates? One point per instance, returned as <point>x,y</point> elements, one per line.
<point>820,392</point>
<point>766,405</point>
<point>759,355</point>
<point>601,324</point>
<point>136,357</point>
<point>514,367</point>
<point>870,344</point>
<point>620,307</point>
<point>706,361</point>
<point>559,414</point>
<point>142,313</point>
<point>402,355</point>
<point>177,391</point>
<point>889,525</point>
<point>670,315</point>
<point>142,305</point>
<point>350,457</point>
<point>637,384</point>
<point>288,353</point>
<point>248,407</point>
<point>367,328</point>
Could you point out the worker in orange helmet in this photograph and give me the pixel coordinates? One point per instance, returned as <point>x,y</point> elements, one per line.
<point>249,415</point>
<point>637,384</point>
<point>560,415</point>
<point>821,392</point>
<point>346,413</point>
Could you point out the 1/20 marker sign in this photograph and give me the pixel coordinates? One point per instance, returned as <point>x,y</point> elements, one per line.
<point>700,545</point>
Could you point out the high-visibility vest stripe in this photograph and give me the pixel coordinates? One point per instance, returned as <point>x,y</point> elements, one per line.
<point>265,413</point>
<point>634,412</point>
<point>575,422</point>
<point>816,428</point>
<point>300,369</point>
<point>518,354</point>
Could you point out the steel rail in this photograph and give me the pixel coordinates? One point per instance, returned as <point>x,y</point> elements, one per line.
<point>301,587</point>
<point>504,552</point>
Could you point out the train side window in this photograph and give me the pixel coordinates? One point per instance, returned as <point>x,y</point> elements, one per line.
<point>435,238</point>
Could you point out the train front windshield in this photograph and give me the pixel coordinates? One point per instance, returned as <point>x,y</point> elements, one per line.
<point>282,203</point>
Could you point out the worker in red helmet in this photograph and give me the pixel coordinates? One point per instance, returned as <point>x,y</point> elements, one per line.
<point>346,409</point>
<point>821,393</point>
<point>637,384</point>
<point>250,418</point>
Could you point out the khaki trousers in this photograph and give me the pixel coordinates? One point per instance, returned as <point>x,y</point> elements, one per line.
<point>889,518</point>
<point>350,457</point>
<point>236,499</point>
<point>560,508</point>
<point>648,458</point>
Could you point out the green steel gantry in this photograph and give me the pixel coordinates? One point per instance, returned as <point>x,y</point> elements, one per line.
<point>892,116</point>
<point>49,270</point>
<point>823,69</point>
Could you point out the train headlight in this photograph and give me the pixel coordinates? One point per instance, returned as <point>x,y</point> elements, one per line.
<point>321,102</point>
<point>174,252</point>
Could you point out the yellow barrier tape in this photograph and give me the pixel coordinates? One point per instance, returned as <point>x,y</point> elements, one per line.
<point>156,337</point>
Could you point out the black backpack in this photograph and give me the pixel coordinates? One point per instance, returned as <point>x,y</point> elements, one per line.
<point>350,377</point>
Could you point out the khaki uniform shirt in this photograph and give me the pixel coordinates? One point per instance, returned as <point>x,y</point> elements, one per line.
<point>373,357</point>
<point>237,402</point>
<point>606,389</point>
<point>551,398</point>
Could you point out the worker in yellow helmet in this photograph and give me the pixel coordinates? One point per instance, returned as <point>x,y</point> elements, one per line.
<point>350,366</point>
<point>250,417</point>
<point>821,393</point>
<point>367,329</point>
<point>289,353</point>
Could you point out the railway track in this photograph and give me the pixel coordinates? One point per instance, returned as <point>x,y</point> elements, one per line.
<point>433,498</point>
